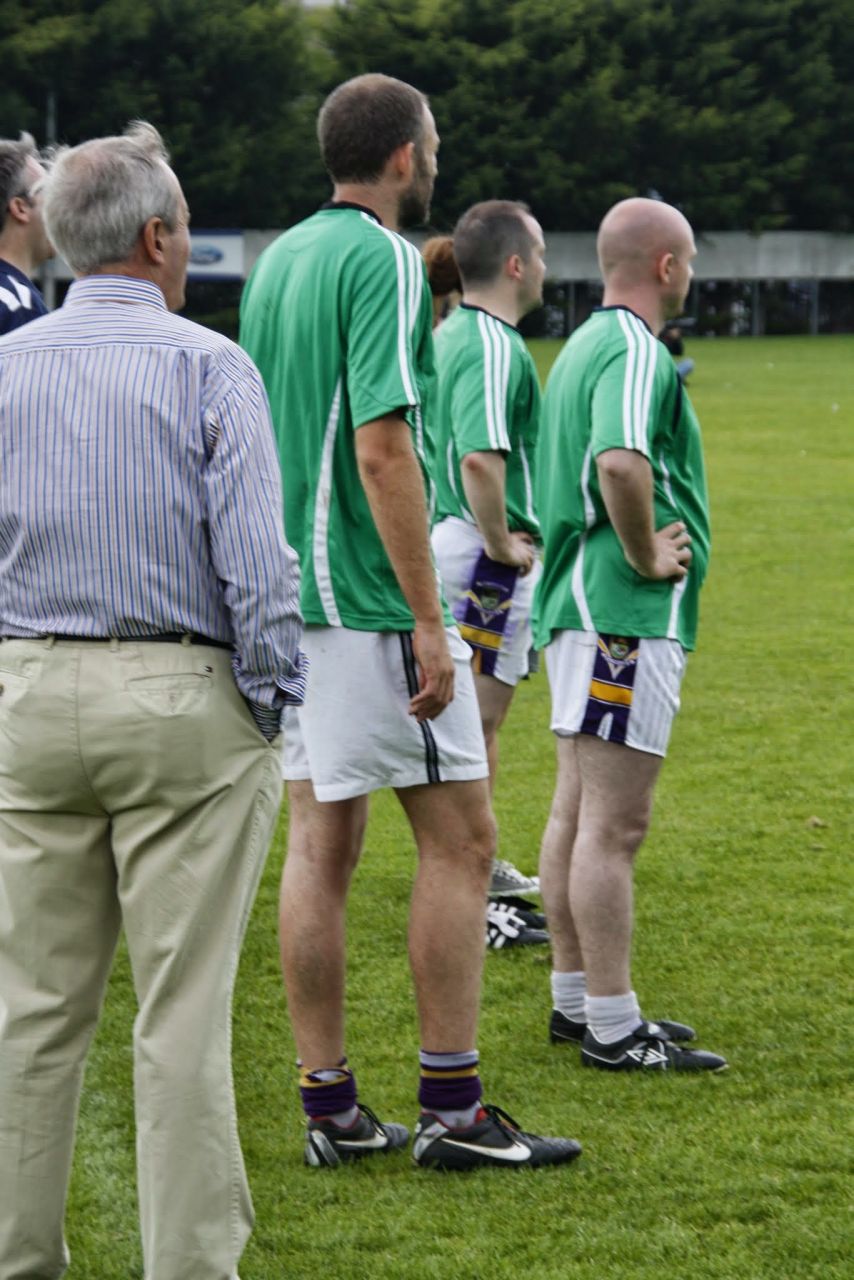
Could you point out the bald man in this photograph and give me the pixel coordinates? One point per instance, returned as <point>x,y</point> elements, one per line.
<point>621,495</point>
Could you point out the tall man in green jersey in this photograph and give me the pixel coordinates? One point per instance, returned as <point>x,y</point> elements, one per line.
<point>338,317</point>
<point>621,495</point>
<point>485,422</point>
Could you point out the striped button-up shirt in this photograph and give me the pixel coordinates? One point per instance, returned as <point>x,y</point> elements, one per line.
<point>140,491</point>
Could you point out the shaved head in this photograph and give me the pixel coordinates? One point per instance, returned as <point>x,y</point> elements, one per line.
<point>635,234</point>
<point>645,252</point>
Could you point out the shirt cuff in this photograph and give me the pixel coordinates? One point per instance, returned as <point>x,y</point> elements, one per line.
<point>268,719</point>
<point>292,688</point>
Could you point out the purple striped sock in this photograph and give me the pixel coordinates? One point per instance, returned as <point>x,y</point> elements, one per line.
<point>449,1081</point>
<point>326,1091</point>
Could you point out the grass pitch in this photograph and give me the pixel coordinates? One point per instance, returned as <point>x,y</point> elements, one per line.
<point>742,912</point>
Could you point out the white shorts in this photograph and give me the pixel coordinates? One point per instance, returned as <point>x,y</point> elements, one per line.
<point>457,546</point>
<point>617,688</point>
<point>354,733</point>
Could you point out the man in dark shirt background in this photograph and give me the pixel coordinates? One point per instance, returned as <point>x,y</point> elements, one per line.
<point>24,245</point>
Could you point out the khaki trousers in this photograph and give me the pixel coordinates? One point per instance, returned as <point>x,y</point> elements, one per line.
<point>135,792</point>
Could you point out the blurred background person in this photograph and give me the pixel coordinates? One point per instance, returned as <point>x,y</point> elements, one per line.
<point>671,336</point>
<point>24,244</point>
<point>443,276</point>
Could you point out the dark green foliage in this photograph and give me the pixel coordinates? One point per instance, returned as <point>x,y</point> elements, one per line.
<point>739,111</point>
<point>732,109</point>
<point>224,81</point>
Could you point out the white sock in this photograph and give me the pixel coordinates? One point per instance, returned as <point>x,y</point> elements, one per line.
<point>611,1018</point>
<point>568,992</point>
<point>458,1119</point>
<point>345,1118</point>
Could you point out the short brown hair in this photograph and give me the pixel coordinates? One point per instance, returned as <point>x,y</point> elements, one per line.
<point>485,237</point>
<point>364,121</point>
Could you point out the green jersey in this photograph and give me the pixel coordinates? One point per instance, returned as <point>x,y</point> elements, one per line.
<point>337,316</point>
<point>488,399</point>
<point>614,386</point>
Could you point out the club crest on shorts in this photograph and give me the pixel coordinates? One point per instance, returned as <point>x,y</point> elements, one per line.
<point>487,600</point>
<point>618,653</point>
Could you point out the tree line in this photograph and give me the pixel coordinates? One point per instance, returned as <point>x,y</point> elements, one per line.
<point>741,112</point>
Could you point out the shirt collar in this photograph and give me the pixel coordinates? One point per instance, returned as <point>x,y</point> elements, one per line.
<point>471,306</point>
<point>620,306</point>
<point>115,289</point>
<point>348,204</point>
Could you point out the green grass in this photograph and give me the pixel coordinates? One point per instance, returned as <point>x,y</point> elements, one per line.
<point>741,909</point>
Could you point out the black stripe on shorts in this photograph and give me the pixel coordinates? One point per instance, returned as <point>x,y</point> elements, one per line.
<point>431,752</point>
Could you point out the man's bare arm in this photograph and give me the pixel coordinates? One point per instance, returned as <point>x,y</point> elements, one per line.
<point>484,474</point>
<point>393,484</point>
<point>625,480</point>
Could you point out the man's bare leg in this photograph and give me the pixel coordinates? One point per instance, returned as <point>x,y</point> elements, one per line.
<point>324,843</point>
<point>616,785</point>
<point>556,857</point>
<point>455,834</point>
<point>493,698</point>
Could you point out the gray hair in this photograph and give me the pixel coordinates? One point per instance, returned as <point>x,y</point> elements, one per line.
<point>99,196</point>
<point>13,164</point>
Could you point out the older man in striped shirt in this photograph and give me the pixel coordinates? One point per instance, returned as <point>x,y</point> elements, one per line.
<point>150,621</point>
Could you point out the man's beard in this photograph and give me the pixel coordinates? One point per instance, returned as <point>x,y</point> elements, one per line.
<point>413,209</point>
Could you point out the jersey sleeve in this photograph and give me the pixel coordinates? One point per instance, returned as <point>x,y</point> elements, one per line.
<point>483,390</point>
<point>386,286</point>
<point>628,397</point>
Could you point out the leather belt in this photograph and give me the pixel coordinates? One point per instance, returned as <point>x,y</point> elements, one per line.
<point>164,637</point>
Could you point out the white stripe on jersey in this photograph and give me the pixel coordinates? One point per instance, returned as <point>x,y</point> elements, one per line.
<point>578,587</point>
<point>487,379</point>
<point>24,298</point>
<point>416,283</point>
<point>678,587</point>
<point>503,344</point>
<point>646,340</point>
<point>450,454</point>
<point>404,310</point>
<point>322,506</point>
<point>641,358</point>
<point>578,593</point>
<point>419,434</point>
<point>529,489</point>
<point>589,509</point>
<point>628,433</point>
<point>675,601</point>
<point>666,478</point>
<point>496,376</point>
<point>23,291</point>
<point>640,383</point>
